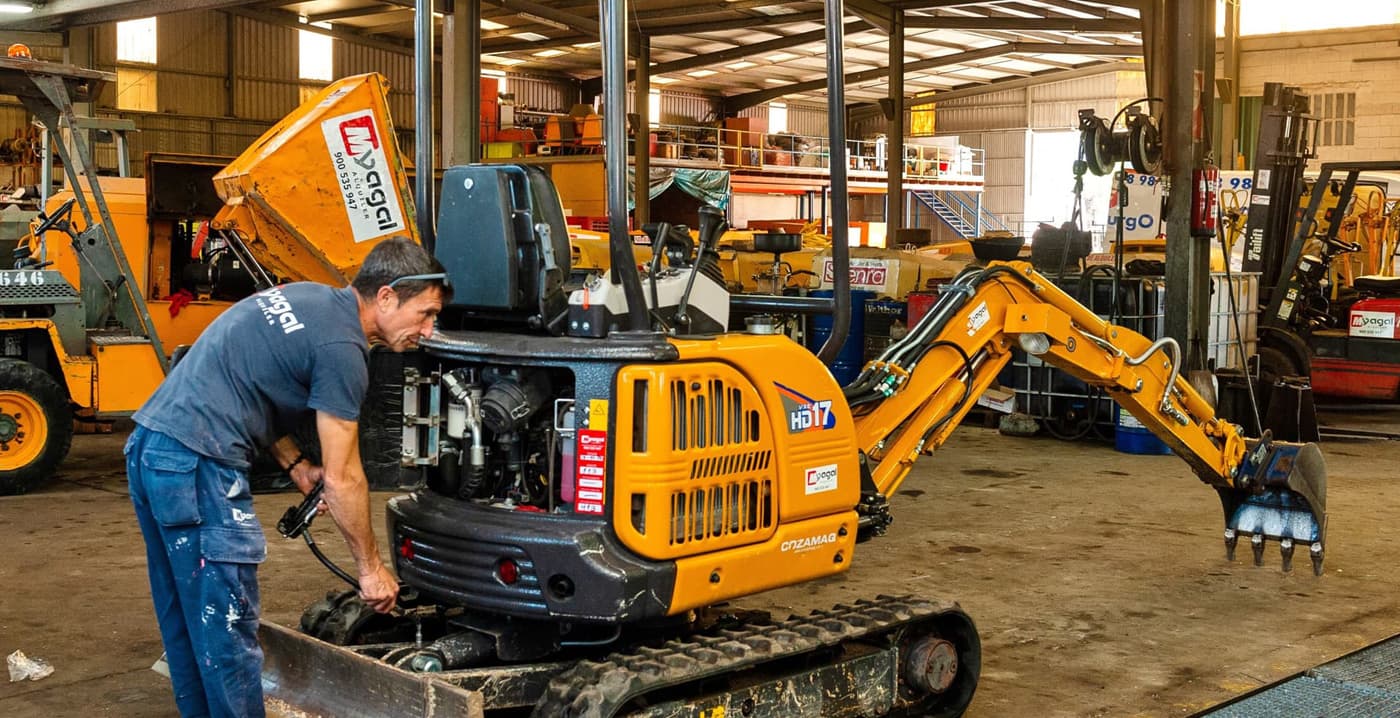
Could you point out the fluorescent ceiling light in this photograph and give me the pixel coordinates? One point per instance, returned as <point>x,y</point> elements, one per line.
<point>742,65</point>
<point>586,45</point>
<point>492,25</point>
<point>702,73</point>
<point>771,10</point>
<point>531,36</point>
<point>543,20</point>
<point>16,8</point>
<point>782,57</point>
<point>663,80</point>
<point>507,61</point>
<point>493,73</point>
<point>778,81</point>
<point>549,53</point>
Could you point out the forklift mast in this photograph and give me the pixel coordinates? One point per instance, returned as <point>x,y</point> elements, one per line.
<point>1287,136</point>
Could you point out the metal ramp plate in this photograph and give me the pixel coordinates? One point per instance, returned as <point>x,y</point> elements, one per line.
<point>1364,683</point>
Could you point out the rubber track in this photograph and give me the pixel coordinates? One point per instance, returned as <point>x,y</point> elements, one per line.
<point>598,689</point>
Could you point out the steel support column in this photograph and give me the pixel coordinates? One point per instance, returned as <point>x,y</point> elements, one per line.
<point>461,93</point>
<point>894,146</point>
<point>423,121</point>
<point>1187,33</point>
<point>641,150</point>
<point>1230,91</point>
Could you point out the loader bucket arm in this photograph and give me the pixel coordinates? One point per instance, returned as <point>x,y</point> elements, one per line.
<point>314,194</point>
<point>911,398</point>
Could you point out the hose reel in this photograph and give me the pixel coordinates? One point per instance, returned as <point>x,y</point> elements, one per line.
<point>1139,144</point>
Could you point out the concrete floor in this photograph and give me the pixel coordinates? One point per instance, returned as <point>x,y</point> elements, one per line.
<point>1097,579</point>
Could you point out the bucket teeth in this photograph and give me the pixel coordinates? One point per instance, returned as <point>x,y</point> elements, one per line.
<point>1275,514</point>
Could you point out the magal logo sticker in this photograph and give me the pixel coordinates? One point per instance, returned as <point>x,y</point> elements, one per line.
<point>364,174</point>
<point>1372,324</point>
<point>805,413</point>
<point>358,135</point>
<point>820,479</point>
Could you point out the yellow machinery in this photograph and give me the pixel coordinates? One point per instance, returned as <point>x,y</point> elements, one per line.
<point>120,272</point>
<point>598,480</point>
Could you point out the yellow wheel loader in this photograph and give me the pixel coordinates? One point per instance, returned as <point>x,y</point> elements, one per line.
<point>119,272</point>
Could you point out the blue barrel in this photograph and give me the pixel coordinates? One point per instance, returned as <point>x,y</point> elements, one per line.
<point>1131,437</point>
<point>848,362</point>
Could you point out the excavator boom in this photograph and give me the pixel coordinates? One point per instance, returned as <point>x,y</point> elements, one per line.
<point>911,398</point>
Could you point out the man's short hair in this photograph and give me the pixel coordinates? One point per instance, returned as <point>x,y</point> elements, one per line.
<point>393,259</point>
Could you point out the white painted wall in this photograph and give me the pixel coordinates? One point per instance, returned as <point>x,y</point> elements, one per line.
<point>1361,60</point>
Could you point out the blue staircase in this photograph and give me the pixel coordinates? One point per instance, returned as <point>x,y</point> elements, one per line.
<point>960,210</point>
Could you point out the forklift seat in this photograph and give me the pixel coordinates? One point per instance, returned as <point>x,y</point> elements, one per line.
<point>1378,285</point>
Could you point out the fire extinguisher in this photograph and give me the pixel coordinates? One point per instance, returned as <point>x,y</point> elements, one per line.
<point>1205,183</point>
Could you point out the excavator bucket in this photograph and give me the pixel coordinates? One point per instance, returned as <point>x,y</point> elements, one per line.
<point>313,195</point>
<point>1280,494</point>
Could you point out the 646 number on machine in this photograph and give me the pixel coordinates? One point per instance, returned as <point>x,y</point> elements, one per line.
<point>21,278</point>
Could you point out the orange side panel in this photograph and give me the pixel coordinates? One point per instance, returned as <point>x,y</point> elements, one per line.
<point>127,375</point>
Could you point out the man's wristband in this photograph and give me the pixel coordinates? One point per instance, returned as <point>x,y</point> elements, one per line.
<point>300,458</point>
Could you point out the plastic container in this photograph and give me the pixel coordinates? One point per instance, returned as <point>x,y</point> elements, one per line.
<point>1131,437</point>
<point>884,322</point>
<point>848,362</point>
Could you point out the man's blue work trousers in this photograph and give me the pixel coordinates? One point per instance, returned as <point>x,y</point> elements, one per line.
<point>203,547</point>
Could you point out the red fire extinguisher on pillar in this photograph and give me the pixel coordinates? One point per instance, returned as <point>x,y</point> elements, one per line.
<point>1205,189</point>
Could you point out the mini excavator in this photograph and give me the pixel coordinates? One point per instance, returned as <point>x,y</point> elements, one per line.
<point>590,500</point>
<point>607,470</point>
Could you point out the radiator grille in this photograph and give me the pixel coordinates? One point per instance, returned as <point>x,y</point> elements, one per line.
<point>709,413</point>
<point>737,507</point>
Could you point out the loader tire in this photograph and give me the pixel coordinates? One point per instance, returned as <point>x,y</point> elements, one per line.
<point>36,426</point>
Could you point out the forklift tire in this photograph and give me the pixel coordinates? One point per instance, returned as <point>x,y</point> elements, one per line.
<point>36,426</point>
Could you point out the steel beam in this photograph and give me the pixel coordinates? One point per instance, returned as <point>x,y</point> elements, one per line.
<point>894,144</point>
<point>1025,24</point>
<point>742,51</point>
<point>641,141</point>
<point>423,165</point>
<point>32,39</point>
<point>461,95</point>
<point>63,14</point>
<point>286,19</point>
<point>739,102</point>
<point>540,11</point>
<point>365,11</point>
<point>1099,68</point>
<point>873,12</point>
<point>744,23</point>
<point>1230,91</point>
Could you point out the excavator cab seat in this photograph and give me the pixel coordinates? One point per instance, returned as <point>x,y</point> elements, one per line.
<point>502,239</point>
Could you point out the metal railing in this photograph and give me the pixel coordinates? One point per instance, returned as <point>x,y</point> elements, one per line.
<point>725,148</point>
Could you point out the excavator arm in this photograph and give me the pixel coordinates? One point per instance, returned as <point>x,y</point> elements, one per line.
<point>912,397</point>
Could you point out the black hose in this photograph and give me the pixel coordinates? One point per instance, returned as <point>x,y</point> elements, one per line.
<point>325,560</point>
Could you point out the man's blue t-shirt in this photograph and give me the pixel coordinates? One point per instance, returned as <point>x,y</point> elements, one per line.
<point>261,366</point>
